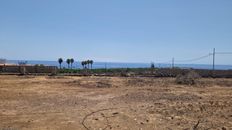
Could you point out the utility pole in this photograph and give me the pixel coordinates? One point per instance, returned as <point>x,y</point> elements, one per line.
<point>105,67</point>
<point>213,59</point>
<point>213,73</point>
<point>173,62</point>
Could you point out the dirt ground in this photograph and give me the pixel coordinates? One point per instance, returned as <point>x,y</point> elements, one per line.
<point>117,103</point>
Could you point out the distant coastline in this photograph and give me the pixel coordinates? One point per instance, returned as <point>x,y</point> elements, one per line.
<point>97,65</point>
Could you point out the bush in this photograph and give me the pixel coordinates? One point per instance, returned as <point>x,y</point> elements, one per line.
<point>188,79</point>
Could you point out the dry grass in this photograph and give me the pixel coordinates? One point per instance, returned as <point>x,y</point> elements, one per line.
<point>39,102</point>
<point>190,78</point>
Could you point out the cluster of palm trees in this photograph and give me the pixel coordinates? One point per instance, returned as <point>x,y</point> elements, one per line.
<point>68,61</point>
<point>85,64</point>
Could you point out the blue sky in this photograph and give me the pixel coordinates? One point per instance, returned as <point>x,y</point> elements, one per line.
<point>115,30</point>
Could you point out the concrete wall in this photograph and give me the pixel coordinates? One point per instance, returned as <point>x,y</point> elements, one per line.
<point>28,69</point>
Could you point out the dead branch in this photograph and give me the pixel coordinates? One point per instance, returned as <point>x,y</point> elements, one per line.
<point>196,125</point>
<point>86,116</point>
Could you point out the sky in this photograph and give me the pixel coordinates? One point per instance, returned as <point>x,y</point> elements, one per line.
<point>116,30</point>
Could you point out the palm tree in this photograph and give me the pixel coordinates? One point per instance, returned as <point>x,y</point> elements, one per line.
<point>83,64</point>
<point>88,62</point>
<point>60,60</point>
<point>71,61</point>
<point>68,61</point>
<point>91,63</point>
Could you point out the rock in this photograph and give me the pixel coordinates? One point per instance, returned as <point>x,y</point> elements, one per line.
<point>223,128</point>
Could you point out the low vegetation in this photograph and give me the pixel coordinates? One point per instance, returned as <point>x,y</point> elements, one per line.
<point>188,79</point>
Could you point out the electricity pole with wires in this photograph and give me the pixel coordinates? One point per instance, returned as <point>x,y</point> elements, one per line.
<point>214,59</point>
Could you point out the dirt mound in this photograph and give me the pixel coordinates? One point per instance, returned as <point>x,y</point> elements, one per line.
<point>190,78</point>
<point>57,77</point>
<point>26,77</point>
<point>91,84</point>
<point>156,96</point>
<point>139,82</point>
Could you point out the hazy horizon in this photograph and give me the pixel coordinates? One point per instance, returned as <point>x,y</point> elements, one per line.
<point>116,31</point>
<point>116,62</point>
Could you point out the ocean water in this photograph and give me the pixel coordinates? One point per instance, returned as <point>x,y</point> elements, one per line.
<point>125,65</point>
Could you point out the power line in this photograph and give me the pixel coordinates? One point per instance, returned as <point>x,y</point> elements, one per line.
<point>195,59</point>
<point>172,62</point>
<point>223,53</point>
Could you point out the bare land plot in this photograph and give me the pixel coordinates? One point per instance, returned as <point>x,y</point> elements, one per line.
<point>117,103</point>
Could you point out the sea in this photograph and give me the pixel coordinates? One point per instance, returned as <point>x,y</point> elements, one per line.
<point>98,65</point>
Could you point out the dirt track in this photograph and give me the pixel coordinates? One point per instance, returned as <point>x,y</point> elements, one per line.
<point>71,103</point>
